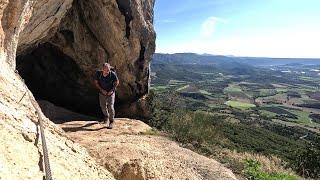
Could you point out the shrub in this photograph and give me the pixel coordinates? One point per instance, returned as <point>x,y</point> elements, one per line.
<point>253,171</point>
<point>193,127</point>
<point>307,162</point>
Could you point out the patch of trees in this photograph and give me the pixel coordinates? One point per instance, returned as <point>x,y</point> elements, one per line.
<point>315,118</point>
<point>279,111</point>
<point>310,105</point>
<point>293,94</point>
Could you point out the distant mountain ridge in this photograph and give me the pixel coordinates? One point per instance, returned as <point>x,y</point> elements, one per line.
<point>193,58</point>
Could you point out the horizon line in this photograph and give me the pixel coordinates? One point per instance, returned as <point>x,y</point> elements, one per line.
<point>203,54</point>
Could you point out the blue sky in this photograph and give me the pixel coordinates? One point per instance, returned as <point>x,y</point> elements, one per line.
<point>262,28</point>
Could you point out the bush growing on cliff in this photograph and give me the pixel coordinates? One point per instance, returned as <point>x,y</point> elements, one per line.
<point>193,127</point>
<point>253,171</point>
<point>307,161</point>
<point>161,106</point>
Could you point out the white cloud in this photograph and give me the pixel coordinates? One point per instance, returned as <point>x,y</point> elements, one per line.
<point>167,21</point>
<point>209,25</point>
<point>280,44</point>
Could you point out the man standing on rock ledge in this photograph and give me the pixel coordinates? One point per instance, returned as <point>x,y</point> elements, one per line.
<point>106,81</point>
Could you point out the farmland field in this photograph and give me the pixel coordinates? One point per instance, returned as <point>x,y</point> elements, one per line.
<point>240,105</point>
<point>269,95</point>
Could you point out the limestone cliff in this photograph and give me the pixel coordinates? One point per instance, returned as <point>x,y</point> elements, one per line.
<point>57,45</point>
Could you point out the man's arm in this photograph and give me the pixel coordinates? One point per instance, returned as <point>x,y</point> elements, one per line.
<point>99,88</point>
<point>115,85</point>
<point>116,82</point>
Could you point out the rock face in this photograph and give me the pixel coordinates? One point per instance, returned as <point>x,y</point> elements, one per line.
<point>57,45</point>
<point>61,43</point>
<point>20,145</point>
<point>130,153</point>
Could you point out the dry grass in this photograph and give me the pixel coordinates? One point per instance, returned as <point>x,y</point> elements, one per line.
<point>236,159</point>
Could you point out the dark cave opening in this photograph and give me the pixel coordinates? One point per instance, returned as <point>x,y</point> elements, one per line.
<point>55,77</point>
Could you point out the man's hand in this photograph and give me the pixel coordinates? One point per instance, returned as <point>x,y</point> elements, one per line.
<point>104,92</point>
<point>110,93</point>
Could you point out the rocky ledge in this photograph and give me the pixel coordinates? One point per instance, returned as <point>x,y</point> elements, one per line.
<point>130,153</point>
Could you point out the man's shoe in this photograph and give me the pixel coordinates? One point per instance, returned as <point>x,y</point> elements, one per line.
<point>102,122</point>
<point>110,125</point>
<point>105,120</point>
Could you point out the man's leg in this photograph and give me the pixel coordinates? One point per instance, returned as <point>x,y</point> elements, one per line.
<point>110,107</point>
<point>103,106</point>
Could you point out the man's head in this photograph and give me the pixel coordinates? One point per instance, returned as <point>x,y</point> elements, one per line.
<point>106,68</point>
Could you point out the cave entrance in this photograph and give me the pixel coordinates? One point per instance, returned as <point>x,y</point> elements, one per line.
<point>56,78</point>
